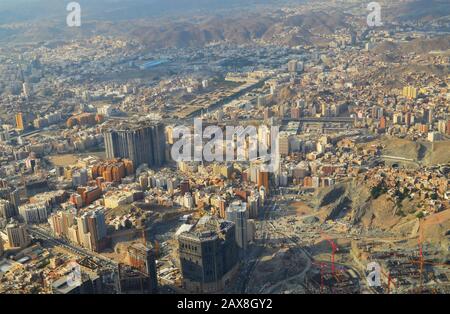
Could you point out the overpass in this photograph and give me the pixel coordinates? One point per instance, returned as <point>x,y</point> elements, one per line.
<point>322,119</point>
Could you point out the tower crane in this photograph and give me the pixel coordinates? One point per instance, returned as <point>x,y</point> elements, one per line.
<point>334,249</point>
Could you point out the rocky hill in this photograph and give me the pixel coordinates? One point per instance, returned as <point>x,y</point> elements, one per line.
<point>355,202</point>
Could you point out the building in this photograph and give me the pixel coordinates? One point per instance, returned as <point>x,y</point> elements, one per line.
<point>267,114</point>
<point>113,170</point>
<point>409,92</point>
<point>295,113</point>
<point>85,118</point>
<point>17,235</point>
<point>20,121</point>
<point>293,66</point>
<point>284,145</point>
<point>92,230</point>
<point>115,199</point>
<point>397,118</point>
<point>434,136</point>
<point>253,206</point>
<point>97,228</point>
<point>84,284</point>
<point>382,125</point>
<point>6,209</point>
<point>208,255</point>
<point>442,126</point>
<point>2,249</point>
<point>263,179</point>
<point>143,263</point>
<point>34,213</point>
<point>60,223</point>
<point>139,142</point>
<point>237,213</point>
<point>37,186</point>
<point>89,194</point>
<point>14,198</point>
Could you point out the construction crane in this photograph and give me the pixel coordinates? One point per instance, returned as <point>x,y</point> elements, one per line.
<point>334,249</point>
<point>434,221</point>
<point>421,260</point>
<point>390,281</point>
<point>322,282</point>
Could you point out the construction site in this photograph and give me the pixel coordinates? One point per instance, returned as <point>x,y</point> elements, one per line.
<point>298,250</point>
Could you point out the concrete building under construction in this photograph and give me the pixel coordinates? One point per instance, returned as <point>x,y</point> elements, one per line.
<point>139,276</point>
<point>208,255</point>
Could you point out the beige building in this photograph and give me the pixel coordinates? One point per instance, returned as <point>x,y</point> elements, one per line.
<point>17,235</point>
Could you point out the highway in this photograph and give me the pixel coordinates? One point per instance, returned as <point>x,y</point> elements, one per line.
<point>44,235</point>
<point>322,119</point>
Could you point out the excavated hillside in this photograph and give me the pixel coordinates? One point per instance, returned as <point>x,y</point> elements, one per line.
<point>353,200</point>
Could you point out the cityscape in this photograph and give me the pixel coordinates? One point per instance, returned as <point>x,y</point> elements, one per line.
<point>261,147</point>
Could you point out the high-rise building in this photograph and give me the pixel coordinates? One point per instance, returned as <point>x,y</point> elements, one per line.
<point>92,230</point>
<point>97,228</point>
<point>253,205</point>
<point>293,66</point>
<point>142,142</point>
<point>142,259</point>
<point>2,249</point>
<point>34,213</point>
<point>17,235</point>
<point>382,125</point>
<point>60,223</point>
<point>6,209</point>
<point>263,179</point>
<point>20,121</point>
<point>208,255</point>
<point>430,115</point>
<point>442,126</point>
<point>14,199</point>
<point>237,213</point>
<point>409,92</point>
<point>284,144</point>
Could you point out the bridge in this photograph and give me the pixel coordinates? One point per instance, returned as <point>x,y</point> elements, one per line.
<point>322,119</point>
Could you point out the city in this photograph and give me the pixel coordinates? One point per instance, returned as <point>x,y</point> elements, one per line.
<point>266,147</point>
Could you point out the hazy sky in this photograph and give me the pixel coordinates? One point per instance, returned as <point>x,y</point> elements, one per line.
<point>23,10</point>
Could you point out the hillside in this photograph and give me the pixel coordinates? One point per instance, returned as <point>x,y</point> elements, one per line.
<point>353,201</point>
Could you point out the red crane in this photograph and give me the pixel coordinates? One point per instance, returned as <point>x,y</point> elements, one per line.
<point>322,282</point>
<point>390,281</point>
<point>433,220</point>
<point>334,249</point>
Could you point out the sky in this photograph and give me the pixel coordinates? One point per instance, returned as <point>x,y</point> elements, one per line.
<point>27,10</point>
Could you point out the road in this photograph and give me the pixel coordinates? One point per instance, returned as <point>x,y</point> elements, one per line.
<point>46,236</point>
<point>254,262</point>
